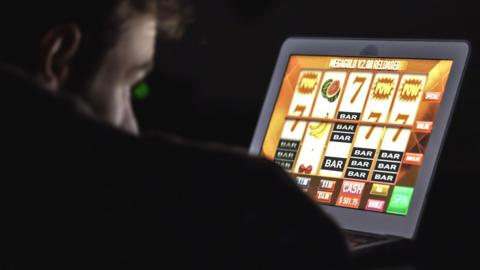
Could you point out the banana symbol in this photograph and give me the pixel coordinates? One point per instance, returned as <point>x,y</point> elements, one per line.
<point>318,130</point>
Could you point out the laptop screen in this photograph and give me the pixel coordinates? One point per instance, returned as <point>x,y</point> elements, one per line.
<point>353,131</point>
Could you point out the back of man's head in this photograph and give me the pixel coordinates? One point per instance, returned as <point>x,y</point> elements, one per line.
<point>23,23</point>
<point>97,51</point>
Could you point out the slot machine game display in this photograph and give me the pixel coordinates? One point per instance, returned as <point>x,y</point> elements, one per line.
<point>353,131</point>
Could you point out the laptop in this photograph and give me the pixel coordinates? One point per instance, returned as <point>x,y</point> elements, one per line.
<point>359,124</point>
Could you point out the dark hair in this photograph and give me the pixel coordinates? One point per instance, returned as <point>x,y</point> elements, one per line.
<point>23,23</point>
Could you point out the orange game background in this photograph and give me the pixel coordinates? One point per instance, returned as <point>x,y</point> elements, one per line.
<point>438,72</point>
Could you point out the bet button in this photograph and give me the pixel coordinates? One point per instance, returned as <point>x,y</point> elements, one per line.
<point>380,190</point>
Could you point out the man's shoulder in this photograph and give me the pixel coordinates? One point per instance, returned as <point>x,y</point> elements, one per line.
<point>205,157</point>
<point>189,164</point>
<point>249,191</point>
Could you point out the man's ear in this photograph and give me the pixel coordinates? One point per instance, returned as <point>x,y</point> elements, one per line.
<point>59,46</point>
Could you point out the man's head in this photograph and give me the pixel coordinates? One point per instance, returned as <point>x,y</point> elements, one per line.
<point>96,51</point>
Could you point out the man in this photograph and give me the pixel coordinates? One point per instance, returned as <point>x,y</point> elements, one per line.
<point>81,189</point>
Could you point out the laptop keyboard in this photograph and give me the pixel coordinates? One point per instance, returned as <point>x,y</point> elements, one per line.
<point>356,239</point>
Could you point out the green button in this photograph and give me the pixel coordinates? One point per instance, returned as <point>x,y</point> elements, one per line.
<point>400,201</point>
<point>141,91</point>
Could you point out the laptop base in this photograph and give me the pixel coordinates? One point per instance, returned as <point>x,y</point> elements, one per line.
<point>360,242</point>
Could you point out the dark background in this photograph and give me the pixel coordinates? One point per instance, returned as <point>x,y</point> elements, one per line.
<point>211,85</point>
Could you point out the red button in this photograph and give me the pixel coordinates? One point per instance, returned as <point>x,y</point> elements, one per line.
<point>433,96</point>
<point>375,205</point>
<point>413,159</point>
<point>325,197</point>
<point>424,127</point>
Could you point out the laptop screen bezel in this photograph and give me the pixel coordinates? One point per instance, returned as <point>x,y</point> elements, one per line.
<point>457,51</point>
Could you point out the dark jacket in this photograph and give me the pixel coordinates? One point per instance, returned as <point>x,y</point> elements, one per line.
<point>78,194</point>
